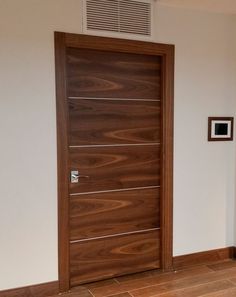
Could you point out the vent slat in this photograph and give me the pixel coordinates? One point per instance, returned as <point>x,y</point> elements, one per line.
<point>100,21</point>
<point>108,27</point>
<point>137,24</point>
<point>102,2</point>
<point>105,25</point>
<point>120,16</point>
<point>102,15</point>
<point>133,4</point>
<point>131,19</point>
<point>102,9</point>
<point>135,16</point>
<point>102,29</point>
<point>127,27</point>
<point>133,31</point>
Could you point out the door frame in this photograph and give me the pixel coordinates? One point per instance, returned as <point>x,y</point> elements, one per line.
<point>166,51</point>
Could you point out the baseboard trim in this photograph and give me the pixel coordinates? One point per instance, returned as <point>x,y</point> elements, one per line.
<point>205,257</point>
<point>234,252</point>
<point>41,290</point>
<point>52,288</point>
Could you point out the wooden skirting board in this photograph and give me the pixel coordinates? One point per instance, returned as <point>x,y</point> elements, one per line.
<point>204,257</point>
<point>52,288</point>
<point>41,290</point>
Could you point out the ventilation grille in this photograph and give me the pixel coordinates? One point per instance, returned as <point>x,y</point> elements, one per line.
<point>121,16</point>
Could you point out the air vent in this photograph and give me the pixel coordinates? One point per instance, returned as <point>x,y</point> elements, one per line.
<point>119,17</point>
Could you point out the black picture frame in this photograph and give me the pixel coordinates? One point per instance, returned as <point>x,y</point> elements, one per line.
<point>220,128</point>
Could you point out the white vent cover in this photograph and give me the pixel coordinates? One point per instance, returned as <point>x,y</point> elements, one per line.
<point>118,18</point>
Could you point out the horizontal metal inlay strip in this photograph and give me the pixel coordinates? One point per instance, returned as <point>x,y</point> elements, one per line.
<point>116,190</point>
<point>112,99</point>
<point>111,145</point>
<point>114,235</point>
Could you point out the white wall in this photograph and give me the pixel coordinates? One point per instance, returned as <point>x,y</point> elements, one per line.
<point>204,172</point>
<point>205,85</point>
<point>28,189</point>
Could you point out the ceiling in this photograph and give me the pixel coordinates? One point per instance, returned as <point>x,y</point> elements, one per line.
<point>220,6</point>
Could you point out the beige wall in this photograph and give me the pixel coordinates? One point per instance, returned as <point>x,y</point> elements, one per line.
<point>204,172</point>
<point>219,6</point>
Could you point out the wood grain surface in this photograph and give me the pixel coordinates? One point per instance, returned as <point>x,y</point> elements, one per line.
<point>91,67</point>
<point>115,212</point>
<point>154,278</point>
<point>82,41</point>
<point>93,73</point>
<point>167,159</point>
<point>115,168</point>
<point>203,257</point>
<point>113,122</point>
<point>112,256</point>
<point>39,290</point>
<point>200,280</point>
<point>62,161</point>
<point>214,280</point>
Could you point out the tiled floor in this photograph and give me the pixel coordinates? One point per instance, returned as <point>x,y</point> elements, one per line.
<point>214,280</point>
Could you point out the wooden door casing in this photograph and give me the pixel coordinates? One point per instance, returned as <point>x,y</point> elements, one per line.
<point>151,80</point>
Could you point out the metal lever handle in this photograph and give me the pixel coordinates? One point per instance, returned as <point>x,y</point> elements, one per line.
<point>75,176</point>
<point>83,176</point>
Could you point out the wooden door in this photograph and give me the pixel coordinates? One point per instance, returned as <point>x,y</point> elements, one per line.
<point>111,126</point>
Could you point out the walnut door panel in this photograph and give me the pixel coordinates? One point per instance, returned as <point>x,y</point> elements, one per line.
<point>117,167</point>
<point>103,214</point>
<point>106,74</point>
<point>108,257</point>
<point>113,122</point>
<point>114,127</point>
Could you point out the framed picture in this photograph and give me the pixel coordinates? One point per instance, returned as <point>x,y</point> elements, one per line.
<point>220,128</point>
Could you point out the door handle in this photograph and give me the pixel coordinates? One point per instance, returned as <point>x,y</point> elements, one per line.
<point>83,176</point>
<point>75,176</point>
